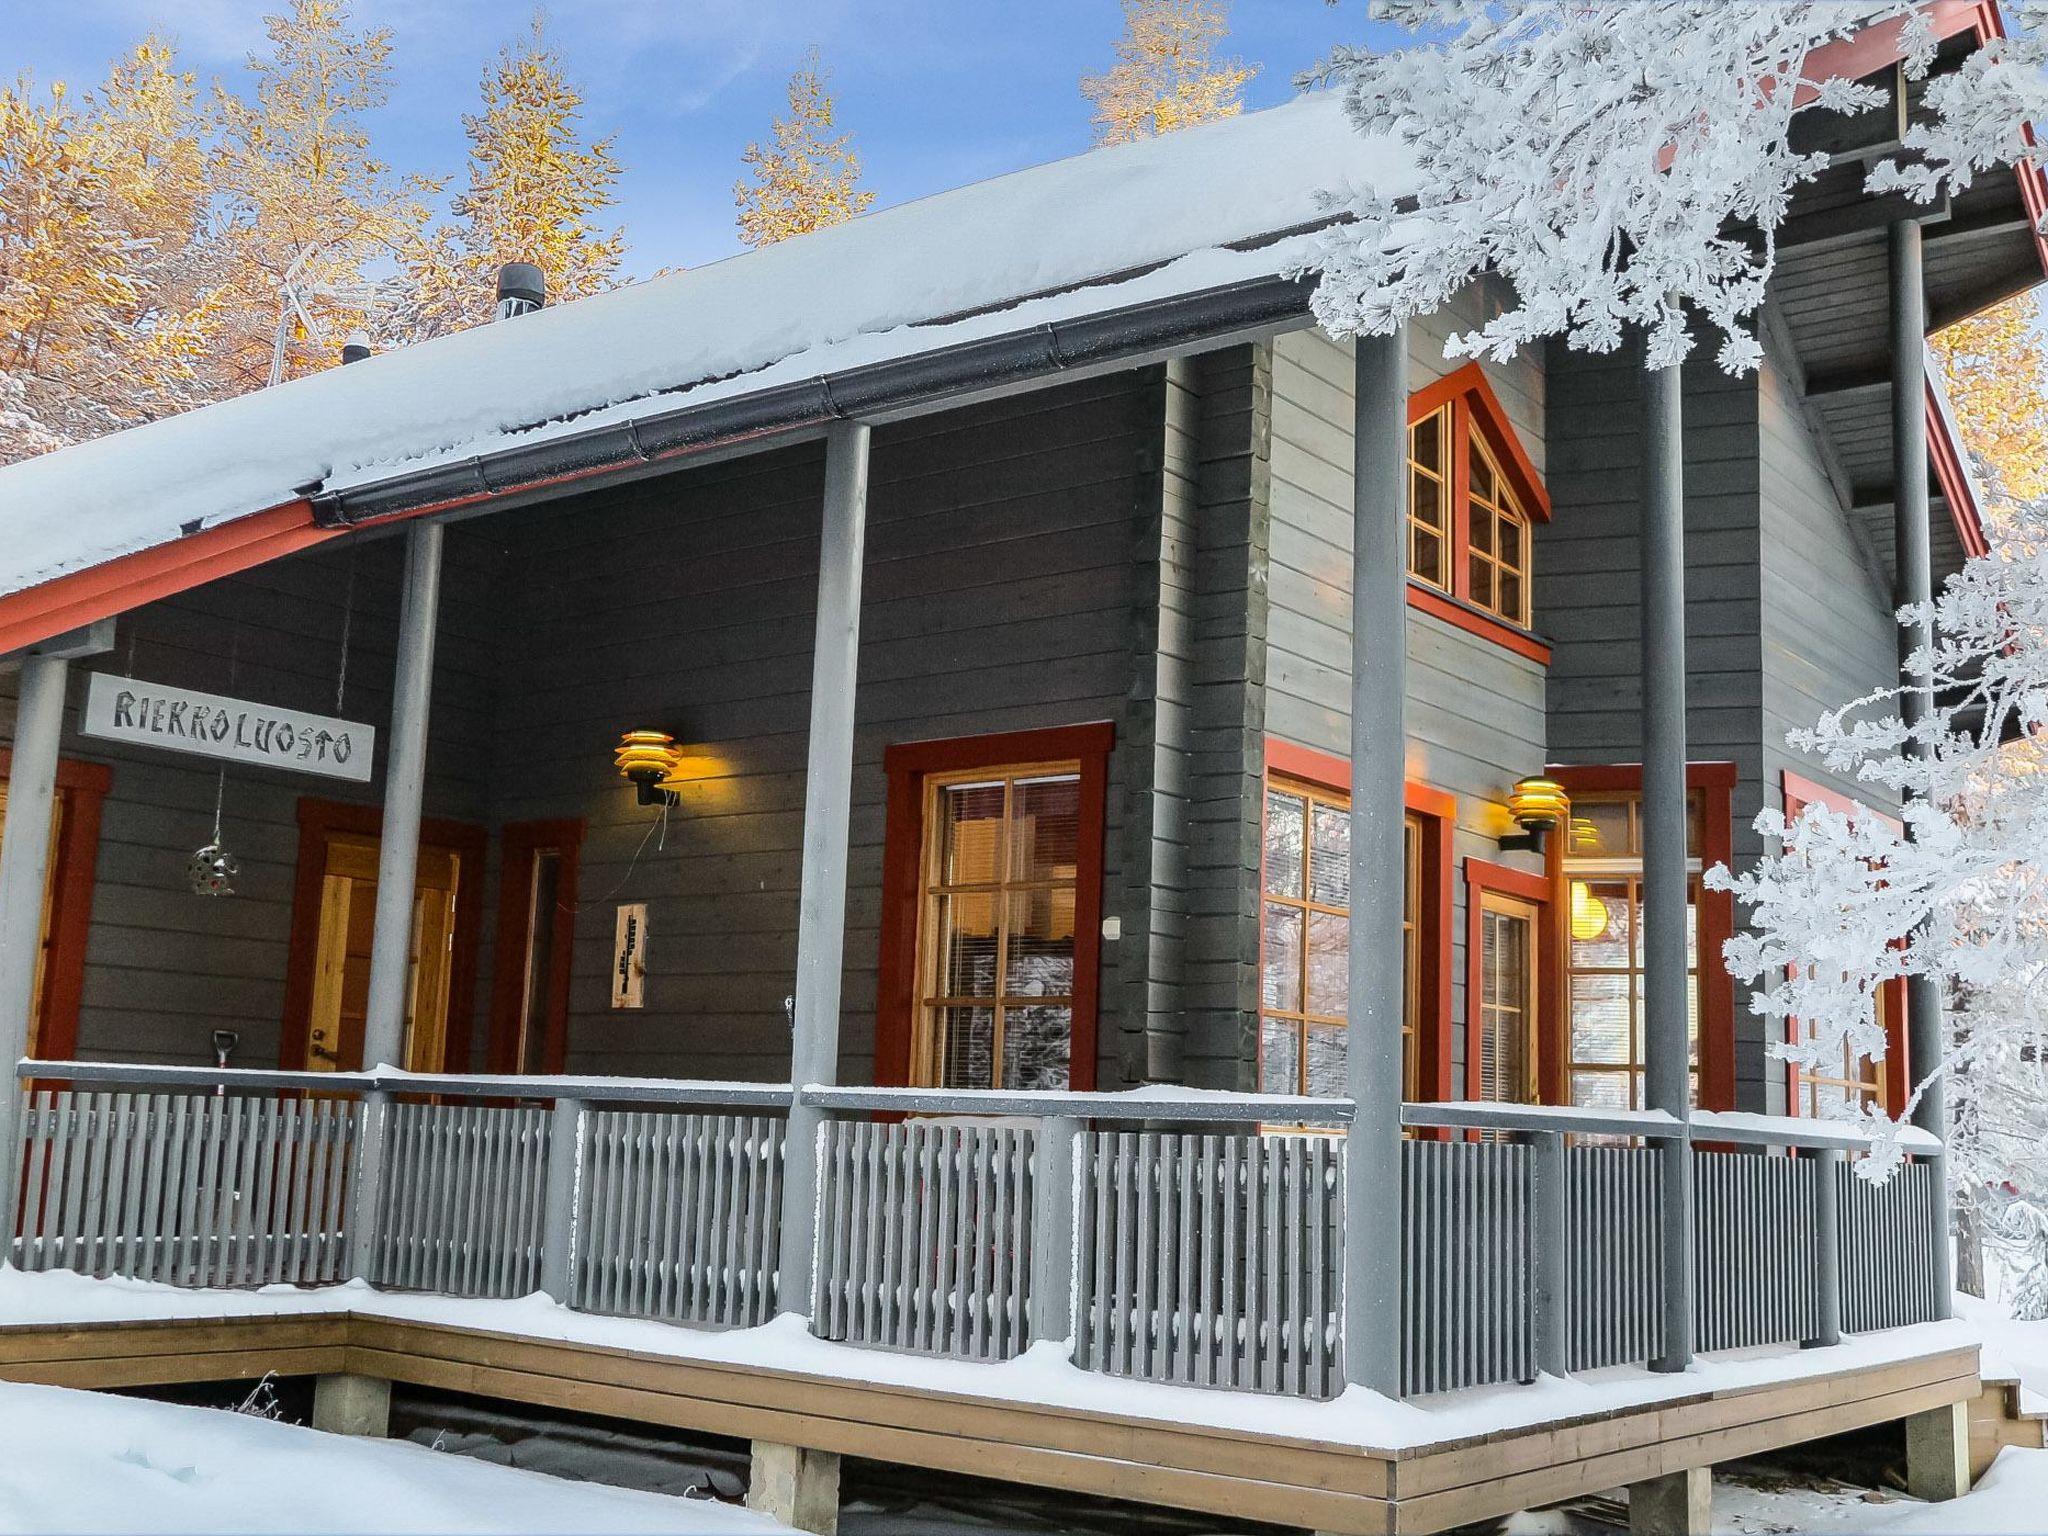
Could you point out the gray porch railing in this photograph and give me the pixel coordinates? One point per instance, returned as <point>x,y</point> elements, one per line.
<point>1181,1238</point>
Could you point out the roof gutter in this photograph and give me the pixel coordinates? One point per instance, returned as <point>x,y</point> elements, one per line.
<point>1040,353</point>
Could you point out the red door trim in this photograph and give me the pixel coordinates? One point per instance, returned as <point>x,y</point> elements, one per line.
<point>906,765</point>
<point>83,787</point>
<point>1481,876</point>
<point>317,818</point>
<point>518,841</point>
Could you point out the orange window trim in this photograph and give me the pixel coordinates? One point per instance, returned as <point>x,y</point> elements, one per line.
<point>517,844</point>
<point>1716,782</point>
<point>317,819</point>
<point>83,788</point>
<point>1481,876</point>
<point>1438,811</point>
<point>1800,792</point>
<point>906,766</point>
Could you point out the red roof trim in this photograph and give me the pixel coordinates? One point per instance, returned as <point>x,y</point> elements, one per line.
<point>1945,453</point>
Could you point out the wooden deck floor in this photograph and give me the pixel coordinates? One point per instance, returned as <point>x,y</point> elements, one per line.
<point>1281,1479</point>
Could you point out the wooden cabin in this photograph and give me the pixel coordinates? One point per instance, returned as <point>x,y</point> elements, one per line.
<point>910,672</point>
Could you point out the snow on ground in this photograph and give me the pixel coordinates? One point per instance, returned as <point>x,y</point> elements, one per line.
<point>88,1462</point>
<point>2011,1347</point>
<point>1043,1374</point>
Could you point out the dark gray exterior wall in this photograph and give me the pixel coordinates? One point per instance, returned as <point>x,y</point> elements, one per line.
<point>164,967</point>
<point>1475,710</point>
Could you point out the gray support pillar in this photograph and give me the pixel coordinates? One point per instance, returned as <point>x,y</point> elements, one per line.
<point>24,872</point>
<point>1379,656</point>
<point>828,793</point>
<point>1914,565</point>
<point>1827,1245</point>
<point>1052,1232</point>
<point>796,1485</point>
<point>1678,1503</point>
<point>1550,1198</point>
<point>352,1405</point>
<point>1938,1453</point>
<point>558,1210</point>
<point>405,775</point>
<point>1666,1006</point>
<point>366,1198</point>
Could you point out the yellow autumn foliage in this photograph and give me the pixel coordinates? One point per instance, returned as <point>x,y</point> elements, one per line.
<point>803,179</point>
<point>1166,74</point>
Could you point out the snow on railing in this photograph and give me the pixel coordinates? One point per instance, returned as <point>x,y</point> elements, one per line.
<point>1172,1234</point>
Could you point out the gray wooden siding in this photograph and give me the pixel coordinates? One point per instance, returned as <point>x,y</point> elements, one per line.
<point>1475,711</point>
<point>1000,594</point>
<point>165,968</point>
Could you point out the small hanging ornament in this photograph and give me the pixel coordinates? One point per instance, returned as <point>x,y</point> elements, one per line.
<point>213,870</point>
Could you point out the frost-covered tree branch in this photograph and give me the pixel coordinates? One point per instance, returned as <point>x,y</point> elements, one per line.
<point>1958,893</point>
<point>1623,162</point>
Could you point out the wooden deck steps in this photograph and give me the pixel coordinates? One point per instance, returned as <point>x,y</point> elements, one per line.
<point>1236,1473</point>
<point>1999,1417</point>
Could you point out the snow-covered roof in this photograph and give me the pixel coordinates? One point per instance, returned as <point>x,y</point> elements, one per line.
<point>1167,217</point>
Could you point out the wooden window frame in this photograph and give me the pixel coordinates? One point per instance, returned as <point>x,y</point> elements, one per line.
<point>518,842</point>
<point>82,787</point>
<point>318,819</point>
<point>1476,411</point>
<point>1437,809</point>
<point>1896,1070</point>
<point>907,766</point>
<point>1483,878</point>
<point>1715,784</point>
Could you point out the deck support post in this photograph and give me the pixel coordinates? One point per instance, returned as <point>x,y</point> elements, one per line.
<point>366,1197</point>
<point>1549,1197</point>
<point>24,874</point>
<point>405,775</point>
<point>1938,1453</point>
<point>558,1232</point>
<point>1052,1231</point>
<point>1677,1504</point>
<point>1379,655</point>
<point>821,902</point>
<point>1666,1004</point>
<point>347,1404</point>
<point>1914,567</point>
<point>1827,1245</point>
<point>797,1486</point>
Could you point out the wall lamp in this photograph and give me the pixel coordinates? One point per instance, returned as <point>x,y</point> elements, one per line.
<point>644,760</point>
<point>1538,805</point>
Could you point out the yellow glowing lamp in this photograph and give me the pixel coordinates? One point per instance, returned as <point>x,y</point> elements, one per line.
<point>644,759</point>
<point>1538,805</point>
<point>1589,913</point>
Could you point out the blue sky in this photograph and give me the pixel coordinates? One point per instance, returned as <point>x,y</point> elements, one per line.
<point>936,92</point>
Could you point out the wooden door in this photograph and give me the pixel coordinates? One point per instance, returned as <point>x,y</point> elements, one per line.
<point>341,961</point>
<point>44,925</point>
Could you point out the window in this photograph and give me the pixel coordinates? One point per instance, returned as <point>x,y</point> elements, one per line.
<point>1305,942</point>
<point>1472,497</point>
<point>1861,1081</point>
<point>1506,1005</point>
<point>992,910</point>
<point>1000,871</point>
<point>1429,499</point>
<point>1604,944</point>
<point>1497,542</point>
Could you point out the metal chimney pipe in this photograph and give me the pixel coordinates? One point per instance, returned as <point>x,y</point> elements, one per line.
<point>356,348</point>
<point>522,288</point>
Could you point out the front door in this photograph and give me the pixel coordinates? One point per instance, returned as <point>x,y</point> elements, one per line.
<point>341,961</point>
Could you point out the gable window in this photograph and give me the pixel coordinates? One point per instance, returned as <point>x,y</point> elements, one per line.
<point>1473,496</point>
<point>991,917</point>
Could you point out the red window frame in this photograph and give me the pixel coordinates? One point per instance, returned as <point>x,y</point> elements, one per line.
<point>906,766</point>
<point>82,787</point>
<point>1481,876</point>
<point>1800,792</point>
<point>1475,408</point>
<point>1715,782</point>
<point>1437,810</point>
<point>518,842</point>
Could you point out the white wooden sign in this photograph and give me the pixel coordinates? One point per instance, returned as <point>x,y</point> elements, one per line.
<point>629,956</point>
<point>208,725</point>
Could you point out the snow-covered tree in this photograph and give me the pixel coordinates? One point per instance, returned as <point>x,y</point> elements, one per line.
<point>1166,74</point>
<point>1959,894</point>
<point>1996,367</point>
<point>535,192</point>
<point>804,179</point>
<point>1623,161</point>
<point>106,285</point>
<point>307,208</point>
